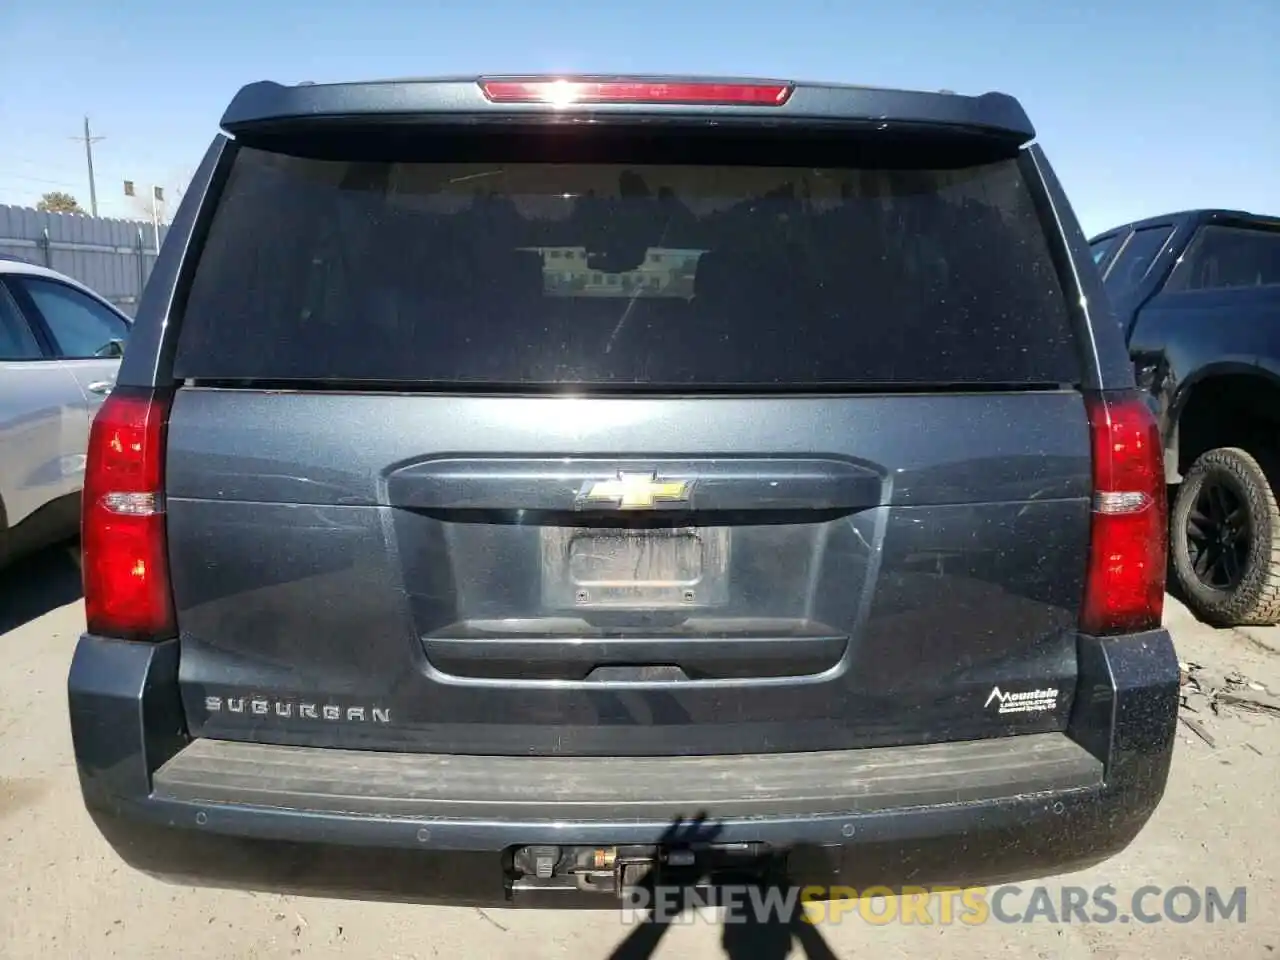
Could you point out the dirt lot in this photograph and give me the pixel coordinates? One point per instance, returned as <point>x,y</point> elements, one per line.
<point>62,893</point>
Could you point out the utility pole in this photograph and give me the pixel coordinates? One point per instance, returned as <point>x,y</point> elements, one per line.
<point>89,141</point>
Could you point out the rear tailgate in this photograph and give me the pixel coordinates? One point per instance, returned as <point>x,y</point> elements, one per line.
<point>503,445</point>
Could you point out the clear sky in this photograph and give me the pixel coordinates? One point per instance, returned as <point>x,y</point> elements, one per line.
<point>1142,106</point>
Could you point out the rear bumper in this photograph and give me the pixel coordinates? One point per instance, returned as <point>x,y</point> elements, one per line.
<point>442,829</point>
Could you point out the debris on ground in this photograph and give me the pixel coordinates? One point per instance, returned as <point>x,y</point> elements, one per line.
<point>1205,693</point>
<point>1255,702</point>
<point>1196,727</point>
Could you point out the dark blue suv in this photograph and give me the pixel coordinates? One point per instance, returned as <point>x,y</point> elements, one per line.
<point>521,485</point>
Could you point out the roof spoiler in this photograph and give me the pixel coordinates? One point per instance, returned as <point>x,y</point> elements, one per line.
<point>268,104</point>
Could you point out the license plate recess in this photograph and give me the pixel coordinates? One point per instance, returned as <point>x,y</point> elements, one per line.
<point>634,568</point>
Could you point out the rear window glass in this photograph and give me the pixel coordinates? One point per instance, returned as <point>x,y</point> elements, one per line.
<point>518,274</point>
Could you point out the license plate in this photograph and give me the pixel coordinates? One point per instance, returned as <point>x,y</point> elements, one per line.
<point>634,569</point>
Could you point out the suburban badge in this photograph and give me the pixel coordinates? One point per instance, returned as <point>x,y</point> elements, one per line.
<point>288,709</point>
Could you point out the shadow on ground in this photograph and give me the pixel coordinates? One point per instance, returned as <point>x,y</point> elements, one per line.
<point>752,939</point>
<point>37,584</point>
<point>749,936</point>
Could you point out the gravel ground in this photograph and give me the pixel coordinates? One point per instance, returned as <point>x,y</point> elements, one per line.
<point>63,893</point>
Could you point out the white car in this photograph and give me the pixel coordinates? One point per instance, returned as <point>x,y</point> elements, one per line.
<point>60,349</point>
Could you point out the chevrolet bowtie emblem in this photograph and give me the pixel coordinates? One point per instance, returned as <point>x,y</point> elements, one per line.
<point>635,491</point>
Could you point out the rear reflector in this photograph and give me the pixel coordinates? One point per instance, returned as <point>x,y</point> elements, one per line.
<point>125,559</point>
<point>1124,588</point>
<point>567,93</point>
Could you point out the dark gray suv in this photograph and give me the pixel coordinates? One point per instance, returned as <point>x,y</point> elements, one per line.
<point>531,484</point>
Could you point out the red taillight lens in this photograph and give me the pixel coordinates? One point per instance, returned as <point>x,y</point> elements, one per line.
<point>565,92</point>
<point>1124,589</point>
<point>126,566</point>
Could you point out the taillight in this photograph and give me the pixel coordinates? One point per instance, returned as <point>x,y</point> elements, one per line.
<point>567,92</point>
<point>126,566</point>
<point>1124,589</point>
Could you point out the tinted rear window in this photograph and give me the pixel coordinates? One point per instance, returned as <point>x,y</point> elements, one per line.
<point>519,274</point>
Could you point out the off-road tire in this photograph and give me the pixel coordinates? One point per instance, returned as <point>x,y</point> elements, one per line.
<point>1255,598</point>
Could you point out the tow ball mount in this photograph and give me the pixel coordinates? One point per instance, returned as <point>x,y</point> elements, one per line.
<point>606,869</point>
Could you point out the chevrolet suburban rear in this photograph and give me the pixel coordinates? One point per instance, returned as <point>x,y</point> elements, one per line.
<point>517,485</point>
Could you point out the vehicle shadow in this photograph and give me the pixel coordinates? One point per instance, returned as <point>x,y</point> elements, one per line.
<point>748,934</point>
<point>39,583</point>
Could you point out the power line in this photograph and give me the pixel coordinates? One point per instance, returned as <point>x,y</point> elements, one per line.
<point>89,140</point>
<point>28,161</point>
<point>9,175</point>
